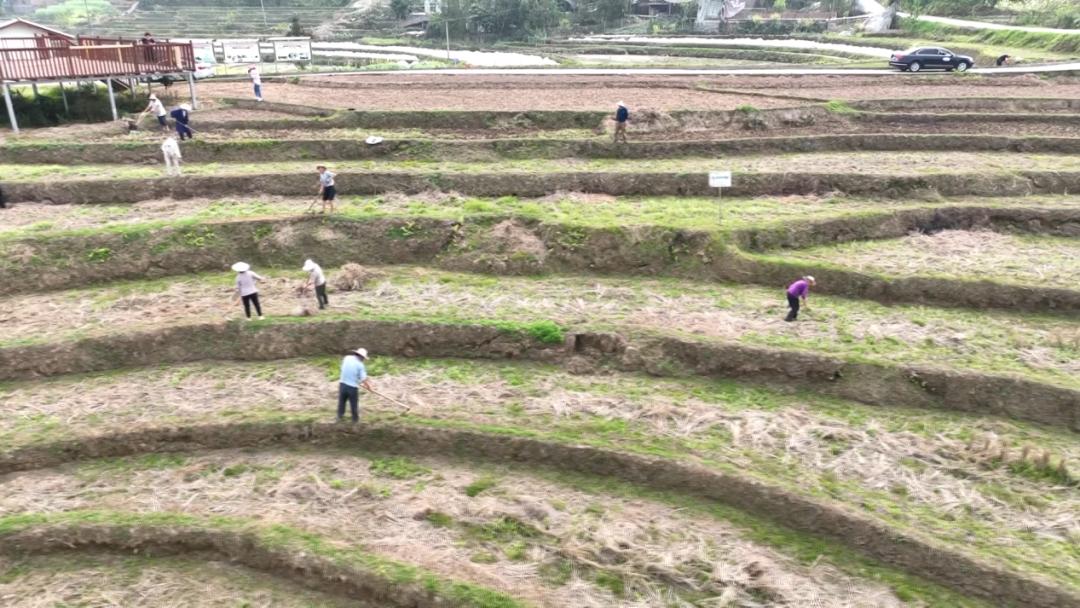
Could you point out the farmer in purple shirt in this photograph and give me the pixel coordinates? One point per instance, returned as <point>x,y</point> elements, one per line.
<point>798,289</point>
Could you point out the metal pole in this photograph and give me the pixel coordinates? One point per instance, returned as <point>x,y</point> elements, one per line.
<point>719,205</point>
<point>112,98</point>
<point>191,90</point>
<point>10,109</point>
<point>265,24</point>
<point>33,87</point>
<point>446,22</point>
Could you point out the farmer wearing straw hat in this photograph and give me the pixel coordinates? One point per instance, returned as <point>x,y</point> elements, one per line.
<point>621,116</point>
<point>798,289</point>
<point>245,288</point>
<point>182,114</point>
<point>159,111</point>
<point>318,280</point>
<point>353,376</point>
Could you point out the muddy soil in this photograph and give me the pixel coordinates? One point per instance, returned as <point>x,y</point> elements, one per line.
<point>982,255</point>
<point>103,579</point>
<point>418,511</point>
<point>911,552</point>
<point>1038,348</point>
<point>385,86</point>
<point>517,98</point>
<point>926,458</point>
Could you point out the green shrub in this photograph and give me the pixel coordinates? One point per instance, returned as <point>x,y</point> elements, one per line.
<point>546,332</point>
<point>99,255</point>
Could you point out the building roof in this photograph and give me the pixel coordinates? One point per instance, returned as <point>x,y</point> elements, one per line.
<point>16,21</point>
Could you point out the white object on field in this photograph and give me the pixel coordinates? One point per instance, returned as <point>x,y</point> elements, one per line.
<point>373,139</point>
<point>477,58</point>
<point>171,150</point>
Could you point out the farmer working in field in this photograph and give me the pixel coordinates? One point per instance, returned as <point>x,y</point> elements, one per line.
<point>318,280</point>
<point>182,115</point>
<point>326,188</point>
<point>246,290</point>
<point>798,289</point>
<point>171,150</point>
<point>158,109</point>
<point>353,376</point>
<point>256,81</point>
<point>621,116</point>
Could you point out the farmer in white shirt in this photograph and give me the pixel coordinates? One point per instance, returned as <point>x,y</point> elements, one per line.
<point>159,111</point>
<point>171,150</point>
<point>318,280</point>
<point>326,188</point>
<point>245,288</point>
<point>256,80</point>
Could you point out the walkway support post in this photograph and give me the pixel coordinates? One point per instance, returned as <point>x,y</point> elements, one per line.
<point>191,90</point>
<point>10,109</point>
<point>112,98</point>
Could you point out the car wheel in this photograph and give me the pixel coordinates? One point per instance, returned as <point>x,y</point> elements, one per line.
<point>962,66</point>
<point>915,66</point>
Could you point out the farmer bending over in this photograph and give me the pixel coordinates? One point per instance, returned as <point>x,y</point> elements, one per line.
<point>318,279</point>
<point>326,188</point>
<point>353,376</point>
<point>171,150</point>
<point>798,289</point>
<point>159,111</point>
<point>182,114</point>
<point>621,116</point>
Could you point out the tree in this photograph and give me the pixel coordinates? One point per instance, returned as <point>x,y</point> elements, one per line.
<point>401,8</point>
<point>295,28</point>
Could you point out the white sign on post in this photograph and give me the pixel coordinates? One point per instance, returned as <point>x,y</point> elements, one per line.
<point>241,51</point>
<point>719,179</point>
<point>292,49</point>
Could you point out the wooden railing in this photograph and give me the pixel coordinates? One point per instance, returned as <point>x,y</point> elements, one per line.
<point>51,58</point>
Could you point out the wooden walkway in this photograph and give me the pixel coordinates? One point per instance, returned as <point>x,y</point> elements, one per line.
<point>57,59</point>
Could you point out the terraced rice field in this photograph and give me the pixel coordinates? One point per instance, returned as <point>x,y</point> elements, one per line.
<point>587,394</point>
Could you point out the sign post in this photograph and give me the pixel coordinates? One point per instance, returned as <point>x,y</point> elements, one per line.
<point>719,180</point>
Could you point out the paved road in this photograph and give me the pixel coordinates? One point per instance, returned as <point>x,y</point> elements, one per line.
<point>983,25</point>
<point>1032,69</point>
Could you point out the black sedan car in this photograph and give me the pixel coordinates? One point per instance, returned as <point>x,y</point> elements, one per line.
<point>930,58</point>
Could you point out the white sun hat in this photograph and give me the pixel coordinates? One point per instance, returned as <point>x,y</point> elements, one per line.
<point>241,267</point>
<point>622,105</point>
<point>810,279</point>
<point>154,97</point>
<point>373,139</point>
<point>308,266</point>
<point>186,106</point>
<point>360,352</point>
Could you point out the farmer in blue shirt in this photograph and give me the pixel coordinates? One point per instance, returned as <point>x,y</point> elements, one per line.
<point>353,376</point>
<point>621,116</point>
<point>182,115</point>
